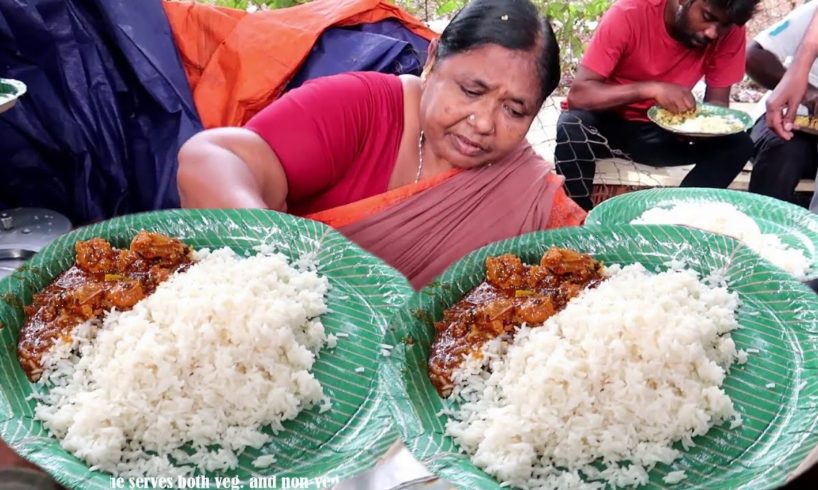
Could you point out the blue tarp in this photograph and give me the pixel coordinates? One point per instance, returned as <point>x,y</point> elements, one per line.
<point>385,46</point>
<point>109,105</point>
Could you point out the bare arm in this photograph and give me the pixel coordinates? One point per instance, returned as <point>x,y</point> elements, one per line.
<point>808,50</point>
<point>230,168</point>
<point>590,91</point>
<point>783,103</point>
<point>763,66</point>
<point>717,96</point>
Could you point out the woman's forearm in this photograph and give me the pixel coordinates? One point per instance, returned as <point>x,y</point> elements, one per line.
<point>211,176</point>
<point>230,168</point>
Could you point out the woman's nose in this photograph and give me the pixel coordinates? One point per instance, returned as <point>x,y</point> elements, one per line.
<point>482,121</point>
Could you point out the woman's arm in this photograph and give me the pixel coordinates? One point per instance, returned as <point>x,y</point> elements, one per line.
<point>230,168</point>
<point>296,148</point>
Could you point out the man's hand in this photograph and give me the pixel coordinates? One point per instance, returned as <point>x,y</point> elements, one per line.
<point>783,103</point>
<point>672,97</point>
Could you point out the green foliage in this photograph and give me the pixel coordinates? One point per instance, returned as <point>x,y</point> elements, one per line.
<point>243,4</point>
<point>574,21</point>
<point>448,7</point>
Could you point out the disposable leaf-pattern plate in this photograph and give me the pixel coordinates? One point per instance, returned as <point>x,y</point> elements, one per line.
<point>742,119</point>
<point>778,316</point>
<point>807,124</point>
<point>10,91</point>
<point>794,225</point>
<point>313,448</point>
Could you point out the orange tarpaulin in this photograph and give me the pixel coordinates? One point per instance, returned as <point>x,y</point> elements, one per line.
<point>238,62</point>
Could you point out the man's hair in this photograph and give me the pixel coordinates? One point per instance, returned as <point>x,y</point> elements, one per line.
<point>738,11</point>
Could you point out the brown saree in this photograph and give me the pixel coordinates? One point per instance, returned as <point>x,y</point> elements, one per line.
<point>423,228</point>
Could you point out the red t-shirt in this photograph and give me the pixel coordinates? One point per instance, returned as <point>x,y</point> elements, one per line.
<point>631,44</point>
<point>337,138</point>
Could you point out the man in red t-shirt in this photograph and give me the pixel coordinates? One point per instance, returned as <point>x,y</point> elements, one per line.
<point>648,52</point>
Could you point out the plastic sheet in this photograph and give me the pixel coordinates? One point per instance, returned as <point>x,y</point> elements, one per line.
<point>386,46</point>
<point>108,106</point>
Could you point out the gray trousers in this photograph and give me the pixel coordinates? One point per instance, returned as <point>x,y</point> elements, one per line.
<point>778,165</point>
<point>25,479</point>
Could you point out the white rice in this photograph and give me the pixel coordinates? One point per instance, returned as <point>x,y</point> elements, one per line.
<point>623,372</point>
<point>709,124</point>
<point>674,477</point>
<point>212,356</point>
<point>264,461</point>
<point>725,219</point>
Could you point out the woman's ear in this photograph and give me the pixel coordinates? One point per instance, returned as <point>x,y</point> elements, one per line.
<point>431,57</point>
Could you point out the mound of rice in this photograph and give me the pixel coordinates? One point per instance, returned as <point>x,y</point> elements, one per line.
<point>724,218</point>
<point>623,372</point>
<point>211,357</point>
<point>710,124</point>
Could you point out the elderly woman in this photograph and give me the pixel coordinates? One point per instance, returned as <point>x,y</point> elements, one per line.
<point>419,171</point>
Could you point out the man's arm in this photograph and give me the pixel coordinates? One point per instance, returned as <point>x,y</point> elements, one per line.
<point>763,66</point>
<point>766,69</point>
<point>590,91</point>
<point>789,93</point>
<point>717,96</point>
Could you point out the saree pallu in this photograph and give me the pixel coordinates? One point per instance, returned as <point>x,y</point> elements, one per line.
<point>422,229</point>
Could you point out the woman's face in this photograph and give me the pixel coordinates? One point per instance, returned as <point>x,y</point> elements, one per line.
<point>478,105</point>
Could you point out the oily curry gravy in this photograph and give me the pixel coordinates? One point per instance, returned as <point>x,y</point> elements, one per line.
<point>102,278</point>
<point>512,294</point>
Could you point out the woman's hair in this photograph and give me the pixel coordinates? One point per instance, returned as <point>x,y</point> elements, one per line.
<point>512,24</point>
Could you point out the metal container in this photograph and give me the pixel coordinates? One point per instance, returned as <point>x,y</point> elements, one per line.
<point>24,232</point>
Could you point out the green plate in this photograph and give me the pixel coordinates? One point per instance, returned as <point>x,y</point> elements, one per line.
<point>10,91</point>
<point>794,225</point>
<point>778,316</point>
<point>707,110</point>
<point>363,293</point>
